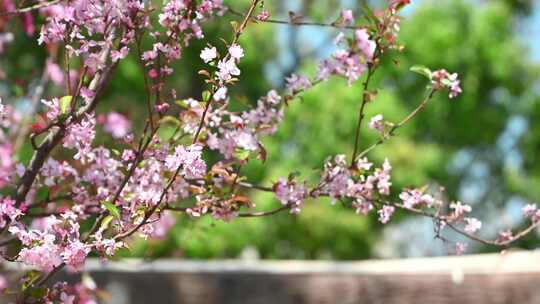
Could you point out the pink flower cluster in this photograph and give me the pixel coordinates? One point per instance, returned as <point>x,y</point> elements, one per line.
<point>56,241</point>
<point>531,211</point>
<point>291,193</point>
<point>352,61</point>
<point>442,79</point>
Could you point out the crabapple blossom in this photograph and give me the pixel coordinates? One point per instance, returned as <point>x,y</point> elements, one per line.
<point>442,79</point>
<point>189,159</point>
<point>227,69</point>
<point>134,185</point>
<point>347,17</point>
<point>236,51</point>
<point>296,83</point>
<point>385,213</point>
<point>117,125</point>
<point>460,248</point>
<point>263,15</point>
<point>531,211</point>
<point>291,193</point>
<point>413,198</point>
<point>3,283</point>
<point>459,209</point>
<point>220,94</point>
<point>208,54</point>
<point>473,225</point>
<point>377,123</point>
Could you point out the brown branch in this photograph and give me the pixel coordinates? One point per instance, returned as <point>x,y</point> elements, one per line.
<point>237,34</point>
<point>264,213</point>
<point>54,137</point>
<point>297,23</point>
<point>8,241</point>
<point>394,128</point>
<point>241,214</point>
<point>365,99</point>
<point>29,8</point>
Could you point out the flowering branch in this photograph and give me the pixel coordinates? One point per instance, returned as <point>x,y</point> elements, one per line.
<point>135,186</point>
<point>29,8</point>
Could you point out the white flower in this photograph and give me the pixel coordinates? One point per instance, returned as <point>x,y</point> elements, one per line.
<point>208,54</point>
<point>220,94</point>
<point>236,51</point>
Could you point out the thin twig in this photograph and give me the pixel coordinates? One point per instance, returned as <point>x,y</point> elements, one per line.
<point>298,23</point>
<point>29,8</point>
<point>394,128</point>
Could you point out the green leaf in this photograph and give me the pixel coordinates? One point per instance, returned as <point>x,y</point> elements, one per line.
<point>106,221</point>
<point>112,209</point>
<point>235,25</point>
<point>42,194</point>
<point>170,119</point>
<point>206,95</point>
<point>37,292</point>
<point>242,154</point>
<point>64,104</point>
<point>422,70</point>
<point>368,13</point>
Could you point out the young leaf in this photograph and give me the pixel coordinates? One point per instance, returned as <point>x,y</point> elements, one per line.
<point>422,70</point>
<point>106,221</point>
<point>206,96</point>
<point>64,104</point>
<point>112,209</point>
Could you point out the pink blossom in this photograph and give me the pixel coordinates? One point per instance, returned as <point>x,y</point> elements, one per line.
<point>336,177</point>
<point>505,235</point>
<point>460,209</point>
<point>297,83</point>
<point>67,299</point>
<point>291,193</point>
<point>366,46</point>
<point>117,125</point>
<point>162,107</point>
<point>385,213</point>
<point>472,225</point>
<point>163,225</point>
<point>347,16</point>
<point>363,164</point>
<point>227,69</point>
<point>80,137</point>
<point>460,248</point>
<point>362,206</point>
<point>3,283</point>
<point>377,123</point>
<point>6,163</point>
<point>8,210</point>
<point>153,73</point>
<point>414,197</point>
<point>128,155</point>
<point>442,79</point>
<point>532,212</point>
<point>121,54</point>
<point>75,254</point>
<point>383,178</point>
<point>44,256</point>
<point>54,72</point>
<point>263,15</point>
<point>87,94</point>
<point>189,158</point>
<point>53,108</point>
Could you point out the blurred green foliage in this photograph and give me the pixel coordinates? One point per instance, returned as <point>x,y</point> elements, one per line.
<point>478,41</point>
